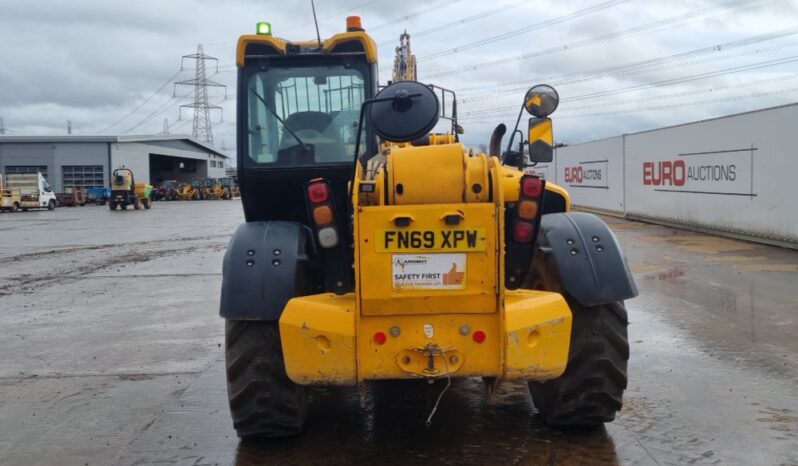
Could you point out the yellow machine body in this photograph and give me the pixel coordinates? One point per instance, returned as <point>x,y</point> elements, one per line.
<point>429,299</point>
<point>216,191</point>
<point>186,192</point>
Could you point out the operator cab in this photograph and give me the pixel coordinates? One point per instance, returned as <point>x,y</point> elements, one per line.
<point>298,110</point>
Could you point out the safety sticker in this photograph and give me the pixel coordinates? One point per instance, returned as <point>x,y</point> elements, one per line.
<point>429,271</point>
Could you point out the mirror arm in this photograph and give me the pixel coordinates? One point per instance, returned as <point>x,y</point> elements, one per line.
<point>521,142</point>
<point>512,135</point>
<point>366,103</point>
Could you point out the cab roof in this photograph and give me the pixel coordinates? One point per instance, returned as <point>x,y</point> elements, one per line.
<point>352,41</point>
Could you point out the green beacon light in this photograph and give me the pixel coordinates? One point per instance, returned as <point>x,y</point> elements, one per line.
<point>264,28</point>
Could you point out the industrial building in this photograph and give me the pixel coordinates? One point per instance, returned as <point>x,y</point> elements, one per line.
<point>77,160</point>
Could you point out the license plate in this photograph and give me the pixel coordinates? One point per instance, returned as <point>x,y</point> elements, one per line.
<point>466,240</point>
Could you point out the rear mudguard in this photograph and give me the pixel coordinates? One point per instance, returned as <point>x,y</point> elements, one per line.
<point>265,265</point>
<point>586,255</point>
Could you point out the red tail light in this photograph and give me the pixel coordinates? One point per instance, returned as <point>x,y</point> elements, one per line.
<point>318,192</point>
<point>532,186</point>
<point>479,336</point>
<point>523,232</point>
<point>379,338</point>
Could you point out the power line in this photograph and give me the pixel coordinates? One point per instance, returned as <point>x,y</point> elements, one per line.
<point>640,29</point>
<point>667,82</point>
<point>674,95</point>
<point>685,104</point>
<point>158,111</point>
<point>645,66</point>
<point>131,112</point>
<point>709,90</point>
<point>523,30</point>
<point>451,24</point>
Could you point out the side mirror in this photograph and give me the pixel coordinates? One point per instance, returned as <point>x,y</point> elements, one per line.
<point>541,140</point>
<point>541,100</point>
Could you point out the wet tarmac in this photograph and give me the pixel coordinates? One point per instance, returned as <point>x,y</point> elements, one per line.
<point>112,354</point>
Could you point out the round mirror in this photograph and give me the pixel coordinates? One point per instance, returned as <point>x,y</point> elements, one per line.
<point>411,113</point>
<point>541,100</point>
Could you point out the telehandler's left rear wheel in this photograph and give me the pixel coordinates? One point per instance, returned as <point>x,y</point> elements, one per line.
<point>590,392</point>
<point>264,402</point>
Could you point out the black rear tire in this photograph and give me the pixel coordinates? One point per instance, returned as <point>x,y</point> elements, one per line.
<point>590,392</point>
<point>51,205</point>
<point>264,402</point>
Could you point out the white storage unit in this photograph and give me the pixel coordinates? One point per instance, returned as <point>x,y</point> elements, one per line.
<point>734,175</point>
<point>593,173</point>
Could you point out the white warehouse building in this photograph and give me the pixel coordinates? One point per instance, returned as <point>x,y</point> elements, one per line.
<point>88,161</point>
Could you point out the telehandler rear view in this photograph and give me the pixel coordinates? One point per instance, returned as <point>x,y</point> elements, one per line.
<point>374,249</point>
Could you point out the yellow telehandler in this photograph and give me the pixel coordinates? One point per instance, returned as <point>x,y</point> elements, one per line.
<point>375,249</point>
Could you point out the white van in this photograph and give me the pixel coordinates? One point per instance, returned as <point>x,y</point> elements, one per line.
<point>35,192</point>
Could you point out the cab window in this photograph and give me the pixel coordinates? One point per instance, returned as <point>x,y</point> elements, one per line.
<point>304,115</point>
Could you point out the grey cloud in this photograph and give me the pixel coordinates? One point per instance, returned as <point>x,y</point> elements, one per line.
<point>93,61</point>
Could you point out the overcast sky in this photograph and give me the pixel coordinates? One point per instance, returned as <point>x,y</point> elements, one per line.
<point>620,65</point>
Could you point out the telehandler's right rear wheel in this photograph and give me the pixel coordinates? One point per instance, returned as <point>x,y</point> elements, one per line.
<point>264,402</point>
<point>590,392</point>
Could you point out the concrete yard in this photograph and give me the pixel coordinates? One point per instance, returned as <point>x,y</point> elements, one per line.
<point>112,353</point>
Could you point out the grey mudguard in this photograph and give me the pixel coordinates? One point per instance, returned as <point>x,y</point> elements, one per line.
<point>589,260</point>
<point>265,265</point>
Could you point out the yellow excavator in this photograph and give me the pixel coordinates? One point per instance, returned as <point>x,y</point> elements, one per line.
<point>377,248</point>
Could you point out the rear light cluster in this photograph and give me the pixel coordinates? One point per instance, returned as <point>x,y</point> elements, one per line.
<point>320,200</point>
<point>528,208</point>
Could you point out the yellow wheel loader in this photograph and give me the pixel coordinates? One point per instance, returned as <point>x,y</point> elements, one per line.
<point>187,192</point>
<point>376,250</point>
<point>231,188</point>
<point>213,189</point>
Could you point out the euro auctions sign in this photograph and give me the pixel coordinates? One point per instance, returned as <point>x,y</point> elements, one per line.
<point>589,174</point>
<point>721,172</point>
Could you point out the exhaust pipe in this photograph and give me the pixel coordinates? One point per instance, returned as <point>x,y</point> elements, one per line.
<point>495,148</point>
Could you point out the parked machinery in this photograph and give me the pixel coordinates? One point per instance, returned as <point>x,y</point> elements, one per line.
<point>125,191</point>
<point>167,191</point>
<point>232,187</point>
<point>10,198</point>
<point>383,251</point>
<point>210,189</point>
<point>218,188</point>
<point>35,192</point>
<point>187,192</point>
<point>97,196</point>
<point>71,197</point>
